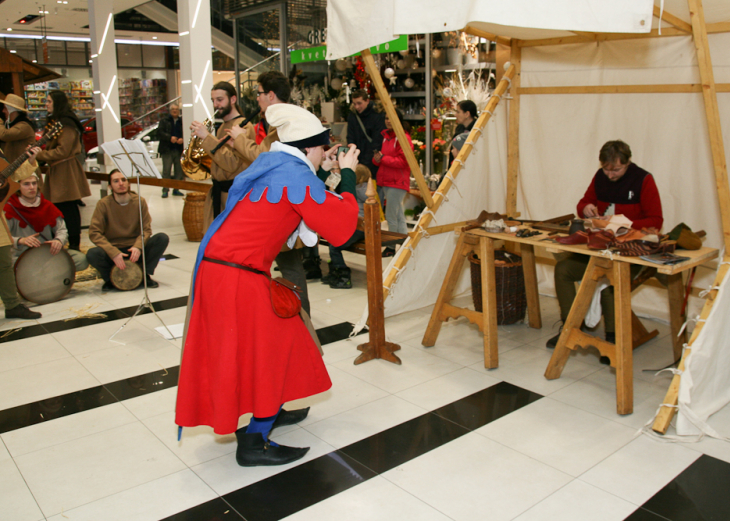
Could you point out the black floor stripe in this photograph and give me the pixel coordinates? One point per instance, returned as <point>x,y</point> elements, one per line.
<point>695,494</point>
<point>112,314</point>
<point>307,484</point>
<point>91,398</point>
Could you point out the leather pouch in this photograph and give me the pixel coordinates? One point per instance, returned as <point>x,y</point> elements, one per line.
<point>285,298</point>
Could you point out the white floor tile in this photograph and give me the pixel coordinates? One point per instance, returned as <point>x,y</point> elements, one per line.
<point>579,501</point>
<point>596,393</point>
<point>639,470</point>
<point>78,472</point>
<point>347,392</point>
<point>366,420</point>
<point>150,501</point>
<point>375,500</point>
<point>125,361</point>
<point>17,502</point>
<point>197,445</point>
<point>475,478</point>
<point>448,388</point>
<point>418,366</point>
<point>152,404</point>
<point>225,475</point>
<point>343,350</point>
<point>525,367</point>
<point>41,381</point>
<point>84,340</point>
<point>65,429</point>
<point>30,351</point>
<point>568,439</point>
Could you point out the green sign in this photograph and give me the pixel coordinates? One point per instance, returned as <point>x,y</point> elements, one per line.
<point>315,54</point>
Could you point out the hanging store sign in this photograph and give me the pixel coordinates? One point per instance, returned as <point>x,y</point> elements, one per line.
<point>314,54</point>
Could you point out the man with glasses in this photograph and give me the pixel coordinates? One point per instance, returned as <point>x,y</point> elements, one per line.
<point>619,187</point>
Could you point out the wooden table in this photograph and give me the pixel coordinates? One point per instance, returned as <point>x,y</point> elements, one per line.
<point>616,269</point>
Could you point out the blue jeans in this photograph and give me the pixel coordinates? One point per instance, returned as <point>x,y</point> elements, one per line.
<point>338,261</point>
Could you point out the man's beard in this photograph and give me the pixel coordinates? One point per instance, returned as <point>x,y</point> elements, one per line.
<point>224,111</point>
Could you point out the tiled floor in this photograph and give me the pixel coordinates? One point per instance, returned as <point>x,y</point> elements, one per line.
<point>88,433</point>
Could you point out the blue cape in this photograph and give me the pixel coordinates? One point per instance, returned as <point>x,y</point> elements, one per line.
<point>270,173</point>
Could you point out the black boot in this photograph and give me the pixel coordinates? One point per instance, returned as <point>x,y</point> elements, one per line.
<point>20,311</point>
<point>610,337</point>
<point>554,340</point>
<point>290,417</point>
<point>342,280</point>
<point>312,267</point>
<point>331,275</point>
<point>253,451</point>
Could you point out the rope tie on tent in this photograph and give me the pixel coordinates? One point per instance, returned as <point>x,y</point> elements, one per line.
<point>696,320</point>
<point>453,183</point>
<point>478,129</point>
<point>425,234</point>
<point>509,80</point>
<point>707,291</point>
<point>413,257</point>
<point>491,114</point>
<point>433,215</point>
<point>458,160</point>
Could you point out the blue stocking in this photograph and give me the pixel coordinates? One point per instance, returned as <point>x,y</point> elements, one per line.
<point>263,425</point>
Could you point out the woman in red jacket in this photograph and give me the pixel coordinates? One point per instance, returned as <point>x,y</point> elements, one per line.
<point>394,176</point>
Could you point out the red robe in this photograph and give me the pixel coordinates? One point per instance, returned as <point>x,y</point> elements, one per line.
<point>240,357</point>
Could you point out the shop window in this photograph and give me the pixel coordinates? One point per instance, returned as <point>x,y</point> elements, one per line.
<point>153,56</point>
<point>76,53</point>
<point>129,55</point>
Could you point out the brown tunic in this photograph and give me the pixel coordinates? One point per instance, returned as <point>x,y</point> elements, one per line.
<point>65,180</point>
<point>227,164</point>
<point>114,226</point>
<point>16,138</point>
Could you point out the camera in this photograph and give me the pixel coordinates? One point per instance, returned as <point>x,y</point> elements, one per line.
<point>342,150</point>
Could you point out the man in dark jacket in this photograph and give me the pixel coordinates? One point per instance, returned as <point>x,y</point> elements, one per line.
<point>170,134</point>
<point>364,127</point>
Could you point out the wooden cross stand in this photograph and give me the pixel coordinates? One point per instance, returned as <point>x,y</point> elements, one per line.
<point>377,347</point>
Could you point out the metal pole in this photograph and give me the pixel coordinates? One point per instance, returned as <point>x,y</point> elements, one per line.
<point>283,38</point>
<point>236,64</point>
<point>427,168</point>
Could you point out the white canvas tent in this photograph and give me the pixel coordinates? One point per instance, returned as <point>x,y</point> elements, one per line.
<point>586,71</point>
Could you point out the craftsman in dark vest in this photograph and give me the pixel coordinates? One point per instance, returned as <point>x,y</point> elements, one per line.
<point>619,187</point>
<point>227,163</point>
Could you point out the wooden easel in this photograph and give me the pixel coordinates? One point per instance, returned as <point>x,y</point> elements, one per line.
<point>377,347</point>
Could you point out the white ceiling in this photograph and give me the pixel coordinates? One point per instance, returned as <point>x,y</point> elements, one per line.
<point>62,19</point>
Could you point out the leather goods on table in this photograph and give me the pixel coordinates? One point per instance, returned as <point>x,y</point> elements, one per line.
<point>600,240</point>
<point>579,237</point>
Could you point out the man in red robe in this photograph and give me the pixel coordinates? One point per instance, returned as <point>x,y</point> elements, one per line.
<point>239,355</point>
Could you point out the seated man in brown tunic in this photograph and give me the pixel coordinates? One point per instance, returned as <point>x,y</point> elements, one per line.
<point>115,230</point>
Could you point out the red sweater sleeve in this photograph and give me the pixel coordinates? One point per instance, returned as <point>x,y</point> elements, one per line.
<point>588,198</point>
<point>651,206</point>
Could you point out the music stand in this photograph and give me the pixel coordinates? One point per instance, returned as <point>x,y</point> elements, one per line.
<point>133,160</point>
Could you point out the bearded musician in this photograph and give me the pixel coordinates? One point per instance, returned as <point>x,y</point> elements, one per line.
<point>227,163</point>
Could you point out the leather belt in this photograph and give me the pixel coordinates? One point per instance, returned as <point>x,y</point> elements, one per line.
<point>239,266</point>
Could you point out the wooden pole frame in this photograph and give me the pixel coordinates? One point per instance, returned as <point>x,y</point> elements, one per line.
<point>709,93</point>
<point>448,181</point>
<point>374,73</point>
<point>673,20</point>
<point>513,136</point>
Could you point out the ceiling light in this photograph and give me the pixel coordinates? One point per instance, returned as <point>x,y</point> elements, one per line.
<point>154,37</point>
<point>13,51</point>
<point>34,61</point>
<point>10,28</point>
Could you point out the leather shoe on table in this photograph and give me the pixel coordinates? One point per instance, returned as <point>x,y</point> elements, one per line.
<point>20,311</point>
<point>579,237</point>
<point>601,240</point>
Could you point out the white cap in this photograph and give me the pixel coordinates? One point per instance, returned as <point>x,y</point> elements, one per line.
<point>296,126</point>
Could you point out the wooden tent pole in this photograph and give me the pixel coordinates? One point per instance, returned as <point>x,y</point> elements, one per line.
<point>673,20</point>
<point>709,93</point>
<point>374,73</point>
<point>447,182</point>
<point>513,141</point>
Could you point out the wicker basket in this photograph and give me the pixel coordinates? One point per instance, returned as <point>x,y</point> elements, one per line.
<point>192,216</point>
<point>510,285</point>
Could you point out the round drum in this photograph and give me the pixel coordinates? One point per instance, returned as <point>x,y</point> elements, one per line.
<point>127,279</point>
<point>42,277</point>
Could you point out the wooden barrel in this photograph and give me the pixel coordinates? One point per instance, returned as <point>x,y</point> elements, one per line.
<point>192,216</point>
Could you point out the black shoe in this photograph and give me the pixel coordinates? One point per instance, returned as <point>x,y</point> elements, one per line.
<point>164,194</point>
<point>152,283</point>
<point>108,286</point>
<point>388,252</point>
<point>177,192</point>
<point>610,337</point>
<point>554,340</point>
<point>331,276</point>
<point>20,311</point>
<point>290,417</point>
<point>342,279</point>
<point>312,267</point>
<point>253,451</point>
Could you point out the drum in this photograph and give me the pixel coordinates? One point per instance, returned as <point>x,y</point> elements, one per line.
<point>127,279</point>
<point>42,277</point>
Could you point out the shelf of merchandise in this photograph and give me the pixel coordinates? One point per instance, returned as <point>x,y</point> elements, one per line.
<point>409,94</point>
